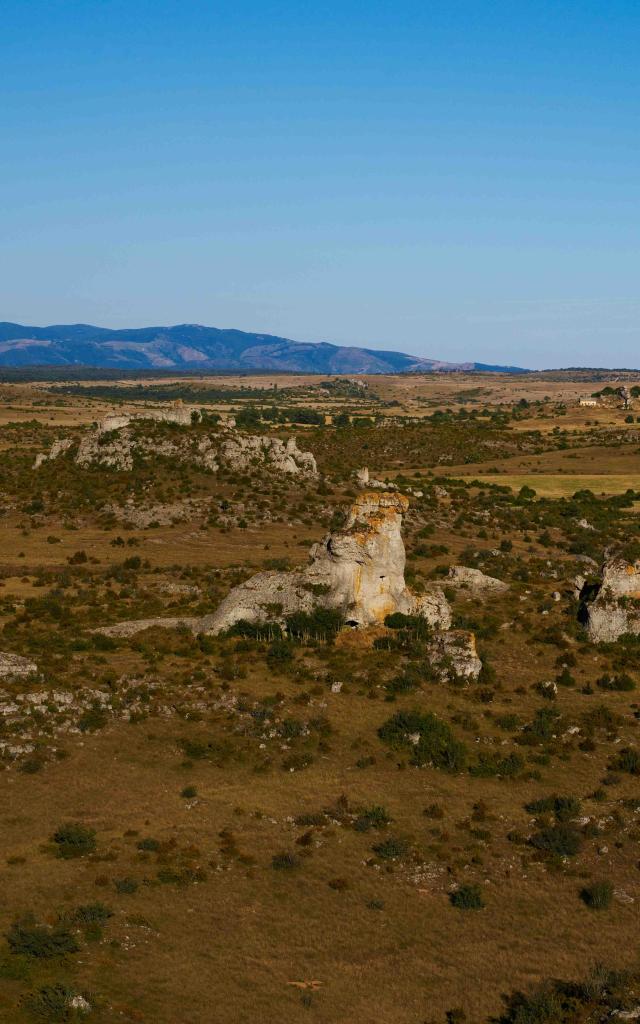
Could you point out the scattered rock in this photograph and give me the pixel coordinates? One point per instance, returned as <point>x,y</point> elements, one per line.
<point>13,665</point>
<point>474,580</point>
<point>364,481</point>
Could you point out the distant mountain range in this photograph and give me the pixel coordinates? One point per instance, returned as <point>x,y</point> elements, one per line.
<point>193,347</point>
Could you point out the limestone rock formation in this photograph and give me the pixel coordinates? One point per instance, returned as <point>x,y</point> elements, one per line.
<point>454,653</point>
<point>365,481</point>
<point>358,571</point>
<point>474,580</point>
<point>14,666</point>
<point>114,444</point>
<point>239,451</point>
<point>59,446</point>
<point>610,608</point>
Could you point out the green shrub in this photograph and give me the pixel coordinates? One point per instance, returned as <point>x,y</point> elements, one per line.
<point>391,848</point>
<point>52,1005</point>
<point>597,896</point>
<point>284,861</point>
<point>74,840</point>
<point>371,817</point>
<point>620,684</point>
<point>561,840</point>
<point>564,807</point>
<point>491,765</point>
<point>126,885</point>
<point>435,743</point>
<point>467,897</point>
<point>27,938</point>
<point>152,845</point>
<point>92,913</point>
<point>626,760</point>
<point>189,792</point>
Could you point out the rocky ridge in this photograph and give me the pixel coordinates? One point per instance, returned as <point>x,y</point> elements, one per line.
<point>115,445</point>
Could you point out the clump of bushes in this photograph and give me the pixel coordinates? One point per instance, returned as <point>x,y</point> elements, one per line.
<point>619,684</point>
<point>561,840</point>
<point>74,840</point>
<point>371,817</point>
<point>26,938</point>
<point>563,807</point>
<point>391,848</point>
<point>429,740</point>
<point>53,1003</point>
<point>626,760</point>
<point>467,897</point>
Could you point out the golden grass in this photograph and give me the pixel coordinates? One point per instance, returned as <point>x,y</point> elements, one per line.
<point>557,485</point>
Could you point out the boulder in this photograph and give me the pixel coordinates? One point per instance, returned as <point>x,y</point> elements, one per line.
<point>454,654</point>
<point>474,580</point>
<point>610,607</point>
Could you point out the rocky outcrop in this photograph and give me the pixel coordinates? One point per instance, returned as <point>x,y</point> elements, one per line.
<point>610,607</point>
<point>13,666</point>
<point>474,580</point>
<point>59,446</point>
<point>240,451</point>
<point>454,654</point>
<point>114,444</point>
<point>357,571</point>
<point>365,481</point>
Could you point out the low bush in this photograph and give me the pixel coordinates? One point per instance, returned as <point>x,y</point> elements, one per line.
<point>564,807</point>
<point>621,684</point>
<point>626,760</point>
<point>391,848</point>
<point>74,840</point>
<point>562,840</point>
<point>284,861</point>
<point>467,897</point>
<point>597,896</point>
<point>27,938</point>
<point>429,740</point>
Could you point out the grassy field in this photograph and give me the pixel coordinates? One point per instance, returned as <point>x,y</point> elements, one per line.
<point>558,485</point>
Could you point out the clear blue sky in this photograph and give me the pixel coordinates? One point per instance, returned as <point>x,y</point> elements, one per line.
<point>452,178</point>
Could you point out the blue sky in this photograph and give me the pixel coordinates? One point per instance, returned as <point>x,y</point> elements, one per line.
<point>454,179</point>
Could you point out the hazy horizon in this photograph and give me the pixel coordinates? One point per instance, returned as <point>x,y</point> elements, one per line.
<point>460,182</point>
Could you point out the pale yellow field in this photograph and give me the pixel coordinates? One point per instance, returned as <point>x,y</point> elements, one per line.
<point>560,485</point>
